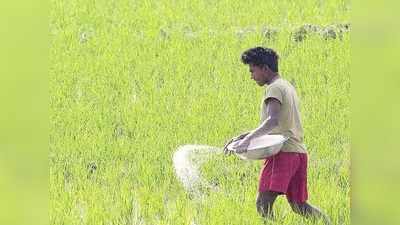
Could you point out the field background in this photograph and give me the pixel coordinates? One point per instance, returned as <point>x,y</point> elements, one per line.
<point>133,80</point>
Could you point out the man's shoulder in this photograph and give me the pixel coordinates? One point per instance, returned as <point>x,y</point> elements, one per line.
<point>279,84</point>
<point>283,84</point>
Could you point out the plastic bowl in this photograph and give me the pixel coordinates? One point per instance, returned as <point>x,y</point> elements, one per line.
<point>261,147</point>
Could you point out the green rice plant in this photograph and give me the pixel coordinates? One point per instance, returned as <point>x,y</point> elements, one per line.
<point>133,80</point>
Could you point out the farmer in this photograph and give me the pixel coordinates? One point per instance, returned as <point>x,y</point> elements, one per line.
<point>286,172</point>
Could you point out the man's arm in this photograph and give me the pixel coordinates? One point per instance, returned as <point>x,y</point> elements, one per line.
<point>274,109</point>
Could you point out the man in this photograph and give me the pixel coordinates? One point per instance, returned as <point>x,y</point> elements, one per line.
<point>286,172</point>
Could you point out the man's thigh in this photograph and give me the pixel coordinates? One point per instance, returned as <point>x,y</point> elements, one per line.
<point>278,171</point>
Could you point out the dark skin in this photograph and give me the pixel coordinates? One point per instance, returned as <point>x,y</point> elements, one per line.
<point>262,75</point>
<point>265,200</point>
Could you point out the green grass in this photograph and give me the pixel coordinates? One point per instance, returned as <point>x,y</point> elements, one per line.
<point>132,80</point>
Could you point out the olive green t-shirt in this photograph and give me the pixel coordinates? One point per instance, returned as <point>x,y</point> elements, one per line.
<point>289,118</point>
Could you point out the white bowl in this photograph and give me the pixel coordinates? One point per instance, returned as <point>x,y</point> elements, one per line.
<point>261,147</point>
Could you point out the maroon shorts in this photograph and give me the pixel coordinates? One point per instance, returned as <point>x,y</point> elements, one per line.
<point>286,173</point>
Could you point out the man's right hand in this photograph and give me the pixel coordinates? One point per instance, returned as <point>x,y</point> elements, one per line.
<point>226,150</point>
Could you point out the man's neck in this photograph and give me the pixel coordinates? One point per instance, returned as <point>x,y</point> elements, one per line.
<point>274,78</point>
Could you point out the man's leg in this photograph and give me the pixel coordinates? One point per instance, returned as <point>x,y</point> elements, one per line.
<point>265,201</point>
<point>309,211</point>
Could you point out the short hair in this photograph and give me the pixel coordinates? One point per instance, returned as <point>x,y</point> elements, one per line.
<point>261,56</point>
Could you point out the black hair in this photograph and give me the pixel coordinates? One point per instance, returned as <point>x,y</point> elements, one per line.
<point>261,56</point>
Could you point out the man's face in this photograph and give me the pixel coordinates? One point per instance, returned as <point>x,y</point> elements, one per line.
<point>258,74</point>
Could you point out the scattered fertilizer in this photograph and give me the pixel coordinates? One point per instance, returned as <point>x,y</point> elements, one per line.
<point>187,161</point>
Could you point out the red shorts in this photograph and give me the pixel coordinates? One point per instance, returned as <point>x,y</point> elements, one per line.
<point>286,173</point>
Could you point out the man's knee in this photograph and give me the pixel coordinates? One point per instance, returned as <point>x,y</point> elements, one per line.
<point>264,202</point>
<point>266,197</point>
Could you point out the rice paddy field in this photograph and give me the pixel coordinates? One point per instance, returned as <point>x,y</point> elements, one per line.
<point>131,81</point>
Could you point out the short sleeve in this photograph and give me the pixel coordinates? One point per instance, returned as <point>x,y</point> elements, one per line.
<point>274,92</point>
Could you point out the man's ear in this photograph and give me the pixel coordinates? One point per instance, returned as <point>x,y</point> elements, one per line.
<point>266,68</point>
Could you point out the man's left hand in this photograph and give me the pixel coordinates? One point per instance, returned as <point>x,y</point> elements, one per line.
<point>242,145</point>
